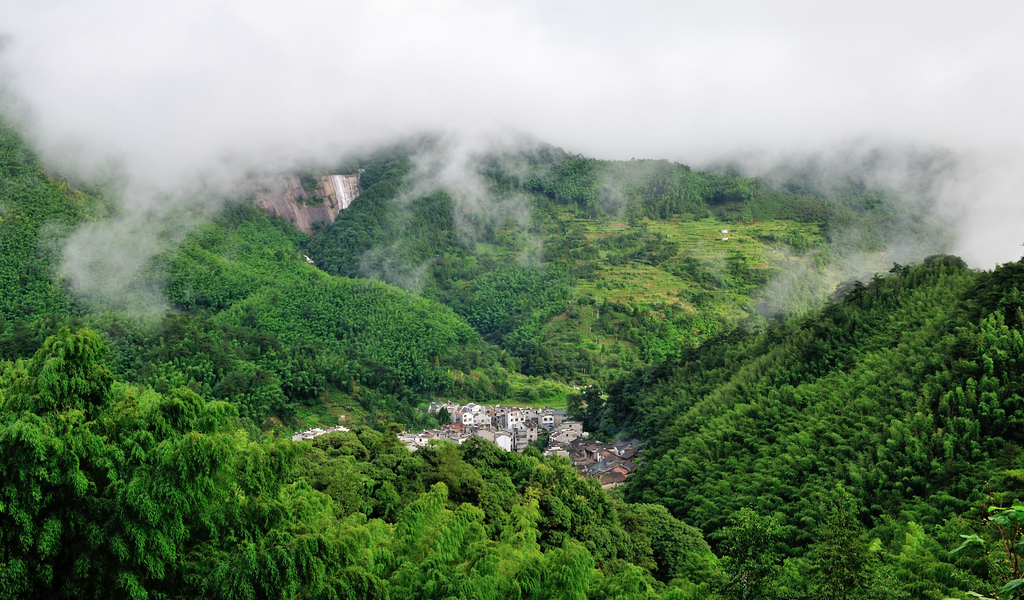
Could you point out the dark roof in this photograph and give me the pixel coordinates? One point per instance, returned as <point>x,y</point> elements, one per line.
<point>612,478</point>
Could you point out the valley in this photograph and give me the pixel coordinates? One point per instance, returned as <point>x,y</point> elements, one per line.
<point>772,407</point>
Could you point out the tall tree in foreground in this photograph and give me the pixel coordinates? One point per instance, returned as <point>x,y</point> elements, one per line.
<point>840,555</point>
<point>753,561</point>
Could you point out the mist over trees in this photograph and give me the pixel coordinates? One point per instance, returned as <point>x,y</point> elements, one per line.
<point>829,448</point>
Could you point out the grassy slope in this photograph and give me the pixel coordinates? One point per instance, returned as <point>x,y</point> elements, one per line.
<point>713,301</point>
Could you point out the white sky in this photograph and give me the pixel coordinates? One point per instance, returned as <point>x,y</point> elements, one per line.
<point>174,87</point>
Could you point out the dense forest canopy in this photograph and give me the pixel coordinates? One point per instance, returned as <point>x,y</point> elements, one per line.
<point>905,393</point>
<point>796,446</point>
<point>113,490</point>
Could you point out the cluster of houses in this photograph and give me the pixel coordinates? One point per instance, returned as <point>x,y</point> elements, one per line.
<point>511,428</point>
<point>610,463</point>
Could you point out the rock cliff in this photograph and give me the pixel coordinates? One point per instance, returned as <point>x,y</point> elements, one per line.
<point>306,208</point>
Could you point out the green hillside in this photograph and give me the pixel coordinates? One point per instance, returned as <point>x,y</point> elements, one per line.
<point>584,269</point>
<point>262,328</point>
<point>37,213</point>
<point>115,491</point>
<point>248,320</point>
<point>906,393</point>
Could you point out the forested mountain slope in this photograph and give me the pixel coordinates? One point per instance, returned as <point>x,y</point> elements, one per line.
<point>249,321</point>
<point>242,280</point>
<point>906,391</point>
<point>165,487</point>
<point>37,213</point>
<point>840,453</point>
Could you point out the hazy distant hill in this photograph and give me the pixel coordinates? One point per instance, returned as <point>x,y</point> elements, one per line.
<point>583,269</point>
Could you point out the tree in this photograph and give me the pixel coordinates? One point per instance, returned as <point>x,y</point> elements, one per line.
<point>593,400</point>
<point>574,406</point>
<point>753,561</point>
<point>677,549</point>
<point>65,374</point>
<point>840,555</point>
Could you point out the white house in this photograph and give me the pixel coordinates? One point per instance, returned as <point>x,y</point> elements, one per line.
<point>503,440</point>
<point>510,420</point>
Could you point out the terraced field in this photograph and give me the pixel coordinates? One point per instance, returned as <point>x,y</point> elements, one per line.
<point>620,264</point>
<point>755,246</point>
<point>646,290</point>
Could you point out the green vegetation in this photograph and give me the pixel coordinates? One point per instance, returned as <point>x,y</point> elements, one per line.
<point>111,490</point>
<point>905,393</point>
<point>867,447</point>
<point>619,263</point>
<point>252,323</point>
<point>37,212</point>
<point>272,334</point>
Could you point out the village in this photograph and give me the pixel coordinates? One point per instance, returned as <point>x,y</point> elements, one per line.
<point>513,428</point>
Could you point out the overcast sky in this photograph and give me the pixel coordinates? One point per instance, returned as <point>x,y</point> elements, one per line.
<point>172,87</point>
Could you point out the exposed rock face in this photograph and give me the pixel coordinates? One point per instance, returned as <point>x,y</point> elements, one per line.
<point>294,204</point>
<point>344,188</point>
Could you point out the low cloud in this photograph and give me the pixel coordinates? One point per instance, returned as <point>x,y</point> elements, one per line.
<point>454,165</point>
<point>171,90</point>
<point>108,262</point>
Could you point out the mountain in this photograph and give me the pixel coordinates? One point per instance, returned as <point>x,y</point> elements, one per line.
<point>584,269</point>
<point>251,322</point>
<point>799,442</point>
<point>139,455</point>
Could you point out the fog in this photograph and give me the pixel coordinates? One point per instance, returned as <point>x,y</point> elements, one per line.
<point>167,94</point>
